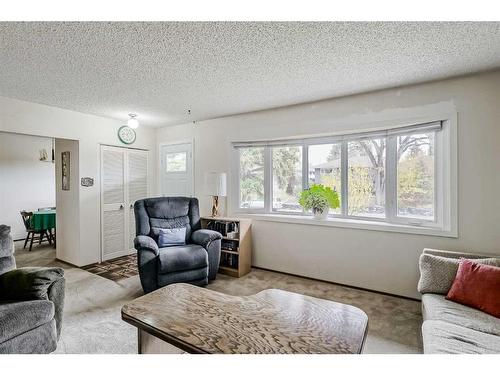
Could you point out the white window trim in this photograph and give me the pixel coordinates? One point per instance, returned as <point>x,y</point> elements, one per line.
<point>446,220</point>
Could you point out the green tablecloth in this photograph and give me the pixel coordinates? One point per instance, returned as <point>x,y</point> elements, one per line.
<point>42,220</point>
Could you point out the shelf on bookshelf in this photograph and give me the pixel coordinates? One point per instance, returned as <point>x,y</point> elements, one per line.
<point>230,252</point>
<point>229,271</point>
<point>230,239</point>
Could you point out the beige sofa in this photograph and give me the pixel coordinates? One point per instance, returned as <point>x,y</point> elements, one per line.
<point>450,327</point>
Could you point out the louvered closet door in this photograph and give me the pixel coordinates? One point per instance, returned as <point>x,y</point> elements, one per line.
<point>113,200</point>
<point>137,187</point>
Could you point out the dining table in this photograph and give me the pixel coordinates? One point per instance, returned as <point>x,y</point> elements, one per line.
<point>45,220</point>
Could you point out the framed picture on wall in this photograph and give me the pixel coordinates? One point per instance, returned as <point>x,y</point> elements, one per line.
<point>65,158</point>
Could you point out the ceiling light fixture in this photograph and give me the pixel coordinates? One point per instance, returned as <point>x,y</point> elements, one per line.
<point>132,121</point>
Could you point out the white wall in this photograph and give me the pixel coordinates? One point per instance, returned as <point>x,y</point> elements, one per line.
<point>380,261</point>
<point>90,131</point>
<point>68,204</point>
<point>26,183</point>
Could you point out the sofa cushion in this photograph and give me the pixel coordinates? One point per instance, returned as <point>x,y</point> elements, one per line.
<point>437,307</point>
<point>478,286</point>
<point>438,273</point>
<point>179,258</point>
<point>20,317</point>
<point>445,338</point>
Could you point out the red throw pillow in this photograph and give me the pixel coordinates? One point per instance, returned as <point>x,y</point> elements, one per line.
<point>478,286</point>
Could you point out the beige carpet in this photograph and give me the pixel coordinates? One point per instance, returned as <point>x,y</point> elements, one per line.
<point>92,322</point>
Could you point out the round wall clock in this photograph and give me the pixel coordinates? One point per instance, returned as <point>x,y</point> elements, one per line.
<point>126,135</point>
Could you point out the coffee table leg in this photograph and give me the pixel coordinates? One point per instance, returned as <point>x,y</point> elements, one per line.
<point>149,344</point>
<point>139,349</point>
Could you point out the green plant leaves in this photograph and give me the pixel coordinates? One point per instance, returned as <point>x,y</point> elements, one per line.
<point>319,196</point>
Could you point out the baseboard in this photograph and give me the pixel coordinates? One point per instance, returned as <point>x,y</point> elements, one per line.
<point>345,285</point>
<point>68,263</point>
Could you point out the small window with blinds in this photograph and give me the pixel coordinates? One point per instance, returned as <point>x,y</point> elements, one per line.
<point>389,175</point>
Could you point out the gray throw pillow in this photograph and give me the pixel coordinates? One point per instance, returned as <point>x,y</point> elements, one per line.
<point>171,237</point>
<point>438,273</point>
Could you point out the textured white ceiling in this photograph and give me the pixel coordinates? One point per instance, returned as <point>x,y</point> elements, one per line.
<point>160,70</point>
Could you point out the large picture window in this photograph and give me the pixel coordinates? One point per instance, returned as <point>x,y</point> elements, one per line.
<point>325,167</point>
<point>252,178</point>
<point>366,177</point>
<point>287,178</point>
<point>382,176</point>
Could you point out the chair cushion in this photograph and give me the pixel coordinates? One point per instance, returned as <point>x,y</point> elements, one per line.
<point>7,264</point>
<point>198,276</point>
<point>437,307</point>
<point>29,283</point>
<point>179,258</point>
<point>167,212</point>
<point>7,261</point>
<point>20,317</point>
<point>445,338</point>
<point>6,243</point>
<point>178,222</point>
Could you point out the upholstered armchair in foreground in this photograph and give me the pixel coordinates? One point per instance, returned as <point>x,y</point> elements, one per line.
<point>31,303</point>
<point>196,261</point>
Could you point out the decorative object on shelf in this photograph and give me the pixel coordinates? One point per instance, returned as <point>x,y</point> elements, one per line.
<point>319,199</point>
<point>132,122</point>
<point>87,181</point>
<point>44,155</point>
<point>126,135</point>
<point>65,168</point>
<point>215,185</point>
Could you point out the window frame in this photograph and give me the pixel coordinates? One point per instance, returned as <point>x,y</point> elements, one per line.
<point>445,221</point>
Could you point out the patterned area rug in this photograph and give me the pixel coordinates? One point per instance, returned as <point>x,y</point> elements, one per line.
<point>115,269</point>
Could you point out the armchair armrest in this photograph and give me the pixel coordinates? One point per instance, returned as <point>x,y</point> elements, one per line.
<point>29,283</point>
<point>211,241</point>
<point>146,243</point>
<point>204,237</point>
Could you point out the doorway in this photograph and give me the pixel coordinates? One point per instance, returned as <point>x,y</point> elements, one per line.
<point>41,210</point>
<point>176,170</point>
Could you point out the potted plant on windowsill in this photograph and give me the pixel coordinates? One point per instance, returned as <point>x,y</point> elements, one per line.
<point>319,199</point>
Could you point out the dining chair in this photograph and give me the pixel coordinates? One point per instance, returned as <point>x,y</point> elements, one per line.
<point>32,233</point>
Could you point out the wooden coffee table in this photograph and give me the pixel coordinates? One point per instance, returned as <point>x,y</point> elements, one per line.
<point>199,320</point>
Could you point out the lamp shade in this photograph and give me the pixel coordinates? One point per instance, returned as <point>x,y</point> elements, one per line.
<point>215,184</point>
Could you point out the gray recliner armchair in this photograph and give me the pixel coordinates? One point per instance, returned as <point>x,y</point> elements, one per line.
<point>31,303</point>
<point>196,262</point>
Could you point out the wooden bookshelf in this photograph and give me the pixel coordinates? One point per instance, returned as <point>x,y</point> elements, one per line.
<point>236,259</point>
